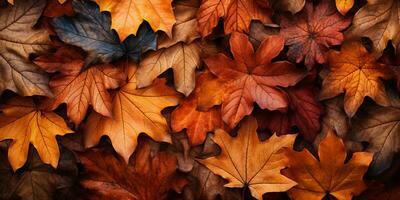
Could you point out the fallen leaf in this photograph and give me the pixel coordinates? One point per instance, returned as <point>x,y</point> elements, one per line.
<point>210,85</point>
<point>245,161</point>
<point>22,122</point>
<point>134,111</point>
<point>310,33</point>
<point>149,175</point>
<point>380,127</point>
<point>185,28</point>
<point>379,21</point>
<point>328,175</point>
<point>77,88</point>
<point>258,32</point>
<point>18,39</point>
<point>355,71</point>
<point>38,180</point>
<point>91,30</point>
<point>197,123</point>
<point>380,191</point>
<point>344,6</point>
<point>211,11</point>
<point>252,77</point>
<point>304,112</point>
<point>182,58</point>
<point>127,15</point>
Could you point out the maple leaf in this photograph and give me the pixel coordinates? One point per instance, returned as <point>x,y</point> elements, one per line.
<point>344,6</point>
<point>197,123</point>
<point>38,180</point>
<point>329,174</point>
<point>185,28</point>
<point>258,32</point>
<point>90,30</point>
<point>252,77</point>
<point>22,122</point>
<point>77,88</point>
<point>149,175</point>
<point>134,111</point>
<point>182,58</point>
<point>127,15</point>
<point>237,15</point>
<point>378,20</point>
<point>304,112</point>
<point>247,161</point>
<point>310,33</point>
<point>17,41</point>
<point>379,126</point>
<point>354,71</point>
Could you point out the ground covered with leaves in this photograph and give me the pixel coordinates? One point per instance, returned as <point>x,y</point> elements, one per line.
<point>199,99</point>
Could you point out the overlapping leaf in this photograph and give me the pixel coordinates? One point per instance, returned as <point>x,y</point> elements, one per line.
<point>90,29</point>
<point>22,122</point>
<point>133,111</point>
<point>127,15</point>
<point>237,15</point>
<point>379,21</point>
<point>328,175</point>
<point>148,175</point>
<point>245,161</point>
<point>77,88</point>
<point>355,71</point>
<point>252,77</point>
<point>18,39</point>
<point>310,33</point>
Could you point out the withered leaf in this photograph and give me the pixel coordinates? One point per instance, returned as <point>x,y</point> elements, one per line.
<point>77,88</point>
<point>149,175</point>
<point>252,77</point>
<point>355,71</point>
<point>379,21</point>
<point>380,127</point>
<point>22,122</point>
<point>247,161</point>
<point>134,111</point>
<point>127,15</point>
<point>310,33</point>
<point>18,39</point>
<point>328,175</point>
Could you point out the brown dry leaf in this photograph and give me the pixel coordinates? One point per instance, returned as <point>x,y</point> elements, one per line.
<point>379,21</point>
<point>210,85</point>
<point>127,15</point>
<point>252,77</point>
<point>134,111</point>
<point>310,33</point>
<point>197,123</point>
<point>355,72</point>
<point>211,11</point>
<point>77,88</point>
<point>55,9</point>
<point>149,175</point>
<point>182,58</point>
<point>380,127</point>
<point>185,28</point>
<point>247,161</point>
<point>22,122</point>
<point>344,6</point>
<point>328,175</point>
<point>59,1</point>
<point>258,32</point>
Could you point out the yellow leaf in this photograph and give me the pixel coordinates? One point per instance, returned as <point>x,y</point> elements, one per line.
<point>127,15</point>
<point>344,6</point>
<point>22,122</point>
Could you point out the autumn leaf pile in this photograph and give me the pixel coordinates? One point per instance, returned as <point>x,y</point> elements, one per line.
<point>199,99</point>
